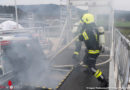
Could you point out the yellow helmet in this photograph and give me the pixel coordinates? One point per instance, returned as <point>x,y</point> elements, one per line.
<point>87,18</point>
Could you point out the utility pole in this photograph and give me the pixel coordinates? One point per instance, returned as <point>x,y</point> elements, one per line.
<point>16,13</point>
<point>69,22</point>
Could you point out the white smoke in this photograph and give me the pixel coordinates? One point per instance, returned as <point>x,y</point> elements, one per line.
<point>30,65</point>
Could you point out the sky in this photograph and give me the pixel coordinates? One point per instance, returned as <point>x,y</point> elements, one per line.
<point>122,4</point>
<point>27,2</point>
<point>118,4</point>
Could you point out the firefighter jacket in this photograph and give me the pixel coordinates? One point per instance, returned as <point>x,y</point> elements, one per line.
<point>90,36</point>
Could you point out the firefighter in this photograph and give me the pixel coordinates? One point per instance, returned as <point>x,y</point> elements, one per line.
<point>76,31</point>
<point>90,36</point>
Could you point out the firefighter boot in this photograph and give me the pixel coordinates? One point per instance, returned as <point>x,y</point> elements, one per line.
<point>76,56</point>
<point>104,83</point>
<point>98,74</point>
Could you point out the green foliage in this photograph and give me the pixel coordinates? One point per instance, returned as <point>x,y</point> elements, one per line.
<point>125,32</point>
<point>122,24</point>
<point>124,28</point>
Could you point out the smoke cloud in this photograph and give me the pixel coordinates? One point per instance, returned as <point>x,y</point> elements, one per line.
<point>29,64</point>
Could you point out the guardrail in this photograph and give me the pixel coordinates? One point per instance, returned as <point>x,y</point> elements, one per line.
<point>121,60</point>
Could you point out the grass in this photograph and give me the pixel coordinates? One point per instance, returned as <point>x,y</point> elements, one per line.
<point>124,28</point>
<point>122,24</point>
<point>125,32</point>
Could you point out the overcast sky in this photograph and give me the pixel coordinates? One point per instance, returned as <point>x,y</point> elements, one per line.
<point>118,4</point>
<point>26,2</point>
<point>122,4</point>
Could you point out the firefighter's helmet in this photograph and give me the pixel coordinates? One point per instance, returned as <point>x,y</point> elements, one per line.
<point>87,18</point>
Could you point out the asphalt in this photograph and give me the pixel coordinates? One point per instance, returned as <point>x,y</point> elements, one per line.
<point>78,79</point>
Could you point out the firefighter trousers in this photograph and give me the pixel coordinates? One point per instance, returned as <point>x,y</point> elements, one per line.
<point>90,61</point>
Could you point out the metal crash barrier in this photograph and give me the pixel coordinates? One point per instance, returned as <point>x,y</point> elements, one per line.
<point>121,60</point>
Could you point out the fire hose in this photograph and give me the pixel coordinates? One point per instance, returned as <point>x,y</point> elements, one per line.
<point>75,38</point>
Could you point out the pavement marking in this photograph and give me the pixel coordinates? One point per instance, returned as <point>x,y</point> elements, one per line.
<point>59,85</point>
